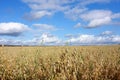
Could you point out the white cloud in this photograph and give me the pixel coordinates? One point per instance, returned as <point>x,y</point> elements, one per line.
<point>86,39</point>
<point>99,22</point>
<point>48,4</point>
<point>65,6</point>
<point>58,5</point>
<point>79,11</point>
<point>43,39</point>
<point>107,32</point>
<point>48,38</point>
<point>44,27</point>
<point>95,14</point>
<point>82,39</point>
<point>81,8</point>
<point>12,28</point>
<point>41,8</point>
<point>37,14</point>
<point>75,12</point>
<point>77,25</point>
<point>96,18</point>
<point>116,38</point>
<point>10,41</point>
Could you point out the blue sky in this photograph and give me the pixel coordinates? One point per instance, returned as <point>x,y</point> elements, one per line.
<point>57,22</point>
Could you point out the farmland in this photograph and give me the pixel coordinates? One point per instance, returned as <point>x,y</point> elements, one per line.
<point>60,63</point>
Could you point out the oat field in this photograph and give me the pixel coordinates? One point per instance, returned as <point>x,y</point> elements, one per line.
<point>60,63</point>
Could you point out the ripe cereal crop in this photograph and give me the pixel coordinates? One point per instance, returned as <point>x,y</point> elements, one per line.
<point>60,63</point>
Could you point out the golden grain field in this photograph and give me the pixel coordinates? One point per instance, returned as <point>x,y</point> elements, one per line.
<point>60,63</point>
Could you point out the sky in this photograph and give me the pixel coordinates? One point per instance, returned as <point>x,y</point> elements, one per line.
<point>59,22</point>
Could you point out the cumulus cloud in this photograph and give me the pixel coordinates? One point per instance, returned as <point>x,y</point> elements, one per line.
<point>81,39</point>
<point>49,7</point>
<point>86,39</point>
<point>75,12</point>
<point>10,41</point>
<point>99,22</point>
<point>12,28</point>
<point>77,25</point>
<point>80,11</point>
<point>107,33</point>
<point>116,38</point>
<point>41,8</point>
<point>78,39</point>
<point>48,4</point>
<point>100,17</point>
<point>44,27</point>
<point>95,14</point>
<point>43,39</point>
<point>37,14</point>
<point>49,39</point>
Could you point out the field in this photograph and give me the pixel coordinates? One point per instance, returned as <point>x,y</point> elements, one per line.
<point>60,63</point>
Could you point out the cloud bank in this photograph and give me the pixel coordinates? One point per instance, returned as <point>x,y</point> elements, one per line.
<point>12,28</point>
<point>78,39</point>
<point>74,9</point>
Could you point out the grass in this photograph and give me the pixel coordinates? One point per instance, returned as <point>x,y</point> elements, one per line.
<point>60,63</point>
